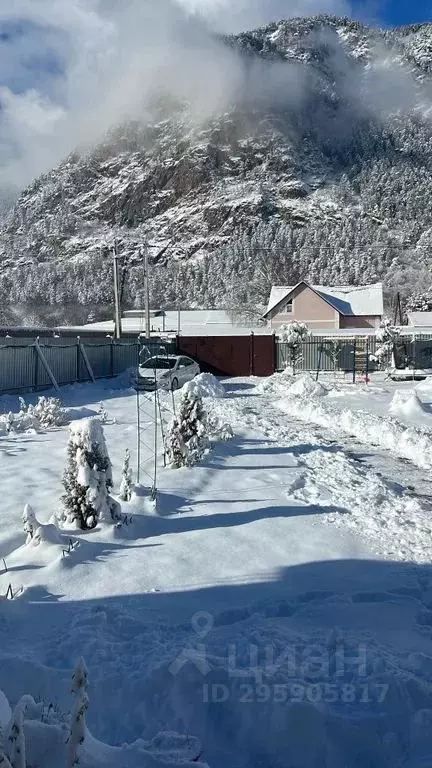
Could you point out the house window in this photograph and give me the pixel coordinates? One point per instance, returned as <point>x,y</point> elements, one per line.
<point>289,307</point>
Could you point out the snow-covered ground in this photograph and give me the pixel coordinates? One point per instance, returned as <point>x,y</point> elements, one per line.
<point>275,609</point>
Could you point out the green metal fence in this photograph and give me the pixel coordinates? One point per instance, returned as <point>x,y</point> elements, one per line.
<point>32,367</point>
<point>328,355</point>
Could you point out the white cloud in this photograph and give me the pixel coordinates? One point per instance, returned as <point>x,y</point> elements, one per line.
<point>104,58</point>
<point>238,15</point>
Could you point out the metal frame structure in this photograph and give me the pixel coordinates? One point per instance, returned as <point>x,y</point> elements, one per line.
<point>150,402</point>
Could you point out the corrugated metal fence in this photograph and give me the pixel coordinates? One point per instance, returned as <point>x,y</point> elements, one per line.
<point>328,355</point>
<point>22,366</point>
<point>352,354</point>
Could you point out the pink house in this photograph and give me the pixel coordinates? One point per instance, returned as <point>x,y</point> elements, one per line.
<point>321,307</point>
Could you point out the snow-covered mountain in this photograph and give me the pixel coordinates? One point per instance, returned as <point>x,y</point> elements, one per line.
<point>321,167</point>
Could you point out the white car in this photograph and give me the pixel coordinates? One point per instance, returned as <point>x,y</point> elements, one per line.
<point>166,372</point>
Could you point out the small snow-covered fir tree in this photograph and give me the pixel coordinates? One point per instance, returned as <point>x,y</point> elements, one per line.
<point>17,751</point>
<point>30,522</point>
<point>293,335</point>
<point>126,486</point>
<point>102,413</point>
<point>187,436</point>
<point>78,722</point>
<point>88,477</point>
<point>387,336</point>
<point>4,761</point>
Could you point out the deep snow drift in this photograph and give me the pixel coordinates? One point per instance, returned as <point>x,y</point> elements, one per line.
<point>273,609</point>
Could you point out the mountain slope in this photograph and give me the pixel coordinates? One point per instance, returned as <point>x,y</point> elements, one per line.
<point>318,167</point>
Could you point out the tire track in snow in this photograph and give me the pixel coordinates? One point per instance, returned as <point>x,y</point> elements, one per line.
<point>393,521</point>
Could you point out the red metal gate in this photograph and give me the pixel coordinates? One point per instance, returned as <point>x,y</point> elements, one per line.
<point>231,355</point>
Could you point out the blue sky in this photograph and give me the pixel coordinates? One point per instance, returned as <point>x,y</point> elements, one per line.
<point>398,12</point>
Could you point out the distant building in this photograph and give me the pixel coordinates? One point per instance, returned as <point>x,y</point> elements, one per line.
<point>323,308</point>
<point>194,322</point>
<point>421,320</point>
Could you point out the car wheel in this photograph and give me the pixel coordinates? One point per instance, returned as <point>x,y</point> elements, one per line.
<point>174,384</point>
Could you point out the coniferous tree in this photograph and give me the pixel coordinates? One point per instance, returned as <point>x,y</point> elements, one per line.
<point>126,486</point>
<point>187,436</point>
<point>88,477</point>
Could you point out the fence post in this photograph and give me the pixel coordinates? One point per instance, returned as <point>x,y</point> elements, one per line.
<point>36,369</point>
<point>251,354</point>
<point>319,361</point>
<point>354,361</point>
<point>112,358</point>
<point>367,361</point>
<point>82,349</point>
<point>78,359</point>
<point>46,366</point>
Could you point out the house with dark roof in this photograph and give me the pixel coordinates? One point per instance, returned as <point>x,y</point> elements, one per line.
<point>322,307</point>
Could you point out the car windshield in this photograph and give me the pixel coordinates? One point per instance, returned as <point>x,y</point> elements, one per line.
<point>159,362</point>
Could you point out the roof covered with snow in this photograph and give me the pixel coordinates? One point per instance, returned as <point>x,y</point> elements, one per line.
<point>420,319</point>
<point>356,300</point>
<point>197,322</point>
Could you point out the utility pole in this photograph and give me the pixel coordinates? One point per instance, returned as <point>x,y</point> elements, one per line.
<point>146,295</point>
<point>117,322</point>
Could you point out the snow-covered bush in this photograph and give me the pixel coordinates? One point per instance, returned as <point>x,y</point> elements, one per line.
<point>187,436</point>
<point>88,477</point>
<point>16,738</point>
<point>30,522</point>
<point>49,412</point>
<point>11,423</point>
<point>387,336</point>
<point>78,723</point>
<point>294,335</point>
<point>126,485</point>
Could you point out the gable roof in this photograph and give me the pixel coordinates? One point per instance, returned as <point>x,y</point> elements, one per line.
<point>358,300</point>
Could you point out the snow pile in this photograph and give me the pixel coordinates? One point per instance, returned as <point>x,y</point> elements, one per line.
<point>18,423</point>
<point>409,442</point>
<point>396,525</point>
<point>425,386</point>
<point>278,383</point>
<point>306,386</point>
<point>33,734</point>
<point>205,385</point>
<point>406,403</point>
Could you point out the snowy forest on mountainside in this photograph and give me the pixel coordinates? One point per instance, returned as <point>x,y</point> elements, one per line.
<point>320,169</point>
